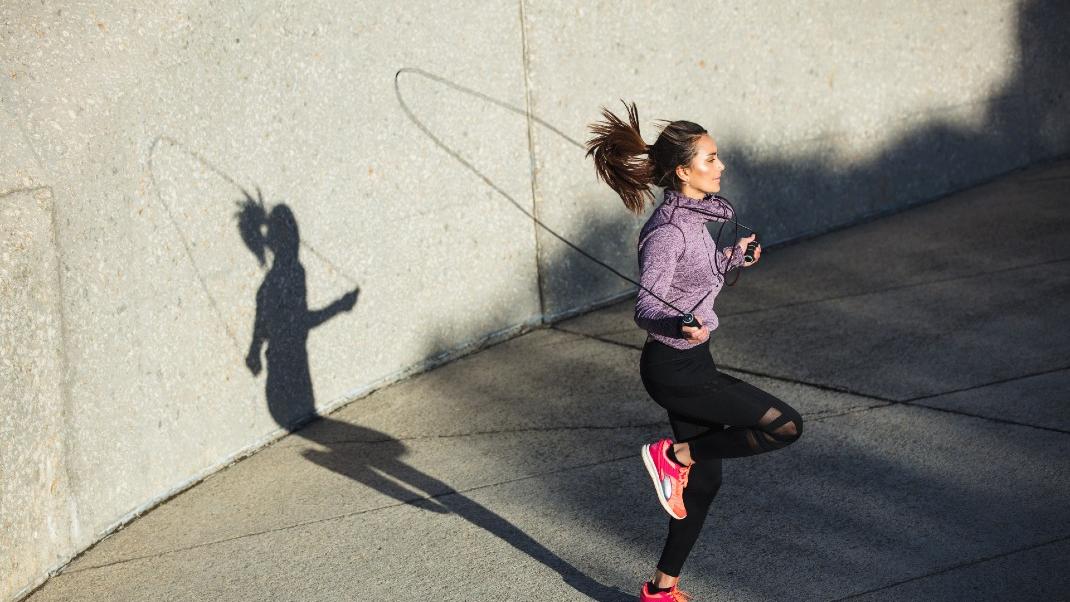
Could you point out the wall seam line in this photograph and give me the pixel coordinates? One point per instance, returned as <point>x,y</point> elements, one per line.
<point>531,158</point>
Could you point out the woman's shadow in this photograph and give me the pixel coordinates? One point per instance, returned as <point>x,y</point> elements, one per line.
<point>283,322</point>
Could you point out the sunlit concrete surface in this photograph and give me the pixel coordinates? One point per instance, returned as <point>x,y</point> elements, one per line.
<point>33,412</point>
<point>927,352</point>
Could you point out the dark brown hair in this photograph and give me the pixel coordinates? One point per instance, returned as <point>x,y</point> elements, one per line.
<point>629,165</point>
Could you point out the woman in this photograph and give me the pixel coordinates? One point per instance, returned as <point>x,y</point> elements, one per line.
<point>713,415</point>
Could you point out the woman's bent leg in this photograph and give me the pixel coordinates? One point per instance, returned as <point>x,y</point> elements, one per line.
<point>701,401</point>
<point>778,424</point>
<point>760,422</point>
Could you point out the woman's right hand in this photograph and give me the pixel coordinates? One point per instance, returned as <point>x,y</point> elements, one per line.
<point>695,335</point>
<point>252,361</point>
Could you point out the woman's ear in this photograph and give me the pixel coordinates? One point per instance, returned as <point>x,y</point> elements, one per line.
<point>682,173</point>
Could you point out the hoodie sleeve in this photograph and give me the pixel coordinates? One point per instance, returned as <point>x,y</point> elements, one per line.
<point>659,253</point>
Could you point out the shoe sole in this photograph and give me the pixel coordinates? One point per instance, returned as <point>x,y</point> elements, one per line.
<point>653,472</point>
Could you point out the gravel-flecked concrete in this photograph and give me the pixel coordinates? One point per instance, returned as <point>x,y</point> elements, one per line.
<point>928,352</point>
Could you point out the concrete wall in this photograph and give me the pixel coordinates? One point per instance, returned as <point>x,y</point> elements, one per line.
<point>129,133</point>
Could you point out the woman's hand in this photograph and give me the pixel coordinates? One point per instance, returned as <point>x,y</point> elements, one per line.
<point>252,361</point>
<point>741,247</point>
<point>695,335</point>
<point>349,299</point>
<point>757,254</point>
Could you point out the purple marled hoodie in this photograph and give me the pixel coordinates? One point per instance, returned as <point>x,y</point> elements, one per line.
<point>676,262</point>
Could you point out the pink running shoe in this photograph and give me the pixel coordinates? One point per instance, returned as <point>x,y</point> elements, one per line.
<point>673,595</point>
<point>669,477</point>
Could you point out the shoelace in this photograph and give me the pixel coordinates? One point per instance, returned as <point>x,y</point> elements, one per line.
<point>684,472</point>
<point>680,595</point>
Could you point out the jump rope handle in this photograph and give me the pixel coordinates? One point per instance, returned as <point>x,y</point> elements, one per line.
<point>748,256</point>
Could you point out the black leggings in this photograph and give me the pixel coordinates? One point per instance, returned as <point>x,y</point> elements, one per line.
<point>701,401</point>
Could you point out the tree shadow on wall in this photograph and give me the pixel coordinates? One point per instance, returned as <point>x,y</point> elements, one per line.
<point>283,323</point>
<point>1022,121</point>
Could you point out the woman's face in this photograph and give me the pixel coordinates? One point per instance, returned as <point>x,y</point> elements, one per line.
<point>703,175</point>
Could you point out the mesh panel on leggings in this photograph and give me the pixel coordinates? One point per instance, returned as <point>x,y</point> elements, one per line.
<point>774,431</point>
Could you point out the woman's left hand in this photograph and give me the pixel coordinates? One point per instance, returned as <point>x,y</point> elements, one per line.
<point>757,254</point>
<point>741,247</point>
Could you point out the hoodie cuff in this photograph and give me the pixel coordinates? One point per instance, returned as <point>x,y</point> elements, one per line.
<point>737,257</point>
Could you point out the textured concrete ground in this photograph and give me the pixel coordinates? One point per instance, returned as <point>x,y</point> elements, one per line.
<point>929,353</point>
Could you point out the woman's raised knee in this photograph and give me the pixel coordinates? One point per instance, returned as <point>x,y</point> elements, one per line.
<point>792,430</point>
<point>783,424</point>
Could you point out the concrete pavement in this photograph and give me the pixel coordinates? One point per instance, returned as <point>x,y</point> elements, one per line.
<point>928,351</point>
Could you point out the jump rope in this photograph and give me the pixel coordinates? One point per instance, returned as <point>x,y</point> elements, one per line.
<point>686,317</point>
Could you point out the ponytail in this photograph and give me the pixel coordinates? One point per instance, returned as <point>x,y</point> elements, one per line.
<point>621,158</point>
<point>630,166</point>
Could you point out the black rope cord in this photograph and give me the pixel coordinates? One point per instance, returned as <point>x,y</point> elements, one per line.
<point>527,114</point>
